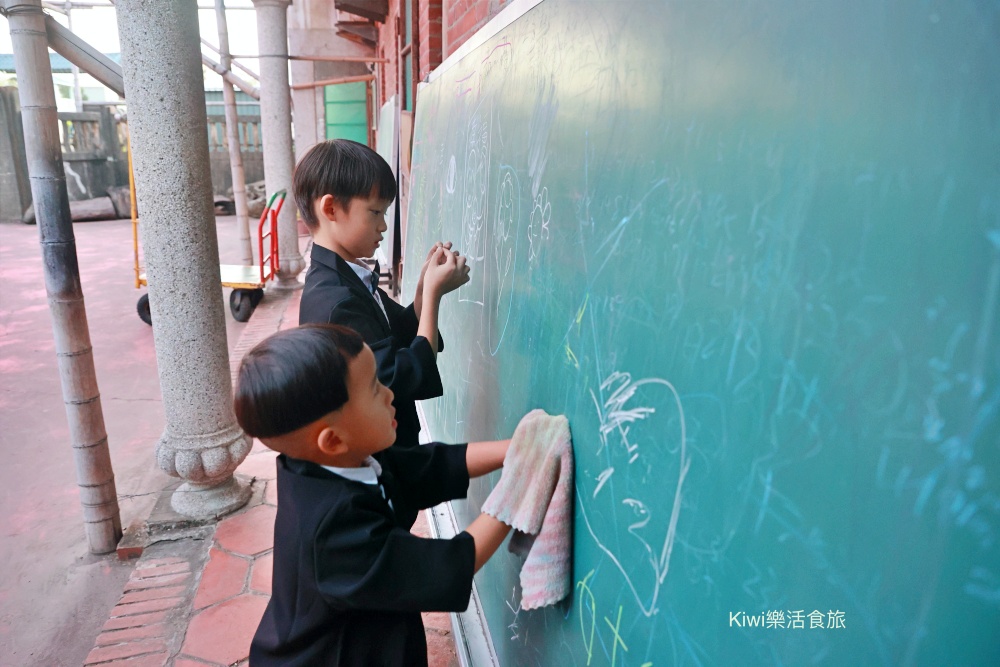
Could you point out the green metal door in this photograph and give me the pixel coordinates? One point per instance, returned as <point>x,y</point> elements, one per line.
<point>347,111</point>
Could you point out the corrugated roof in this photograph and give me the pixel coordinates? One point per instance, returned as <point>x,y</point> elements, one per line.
<point>59,64</point>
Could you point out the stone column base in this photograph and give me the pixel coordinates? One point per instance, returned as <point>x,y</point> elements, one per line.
<point>206,463</point>
<point>288,274</point>
<point>205,501</point>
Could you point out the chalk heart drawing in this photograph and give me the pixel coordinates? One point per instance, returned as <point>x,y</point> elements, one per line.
<point>505,236</point>
<point>632,508</point>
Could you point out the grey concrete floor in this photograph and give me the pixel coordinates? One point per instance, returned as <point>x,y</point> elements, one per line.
<point>54,595</point>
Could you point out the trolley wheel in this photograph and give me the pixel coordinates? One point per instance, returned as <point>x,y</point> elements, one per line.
<point>241,304</point>
<point>256,296</point>
<point>142,307</point>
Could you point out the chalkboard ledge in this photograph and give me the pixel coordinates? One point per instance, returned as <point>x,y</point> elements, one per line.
<point>472,636</point>
<point>473,642</point>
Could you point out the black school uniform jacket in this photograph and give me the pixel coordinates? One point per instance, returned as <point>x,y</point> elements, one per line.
<point>405,363</point>
<point>349,581</point>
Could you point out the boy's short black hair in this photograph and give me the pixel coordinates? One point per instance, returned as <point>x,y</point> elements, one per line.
<point>344,169</point>
<point>294,377</point>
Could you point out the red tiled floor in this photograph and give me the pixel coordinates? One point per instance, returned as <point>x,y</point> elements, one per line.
<point>225,576</point>
<point>420,526</point>
<point>186,662</point>
<point>145,583</point>
<point>118,623</point>
<point>222,633</point>
<point>110,637</point>
<point>149,660</point>
<point>147,571</point>
<point>260,465</point>
<point>291,318</point>
<point>260,578</point>
<point>157,563</point>
<point>152,594</point>
<point>441,650</point>
<point>105,653</point>
<point>438,620</point>
<point>271,493</point>
<point>248,533</point>
<point>146,607</point>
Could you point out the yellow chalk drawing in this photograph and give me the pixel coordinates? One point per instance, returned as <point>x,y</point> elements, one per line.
<point>579,314</point>
<point>618,637</point>
<point>571,357</point>
<point>588,642</point>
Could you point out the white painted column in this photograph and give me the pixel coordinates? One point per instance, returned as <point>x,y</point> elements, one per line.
<point>276,126</point>
<point>161,63</point>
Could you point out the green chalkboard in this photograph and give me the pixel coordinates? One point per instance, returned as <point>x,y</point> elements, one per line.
<point>752,251</point>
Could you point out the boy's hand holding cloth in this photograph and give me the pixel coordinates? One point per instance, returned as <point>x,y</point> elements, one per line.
<point>535,497</point>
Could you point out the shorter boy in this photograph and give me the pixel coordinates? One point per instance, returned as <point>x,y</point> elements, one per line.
<point>349,579</point>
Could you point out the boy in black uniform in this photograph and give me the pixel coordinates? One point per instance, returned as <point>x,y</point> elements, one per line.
<point>349,579</point>
<point>342,189</point>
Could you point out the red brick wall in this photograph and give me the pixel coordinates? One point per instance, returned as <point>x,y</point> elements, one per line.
<point>388,42</point>
<point>429,34</point>
<point>441,27</point>
<point>462,18</point>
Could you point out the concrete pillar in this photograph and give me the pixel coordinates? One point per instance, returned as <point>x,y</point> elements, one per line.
<point>75,355</point>
<point>310,118</point>
<point>276,125</point>
<point>306,21</point>
<point>161,64</point>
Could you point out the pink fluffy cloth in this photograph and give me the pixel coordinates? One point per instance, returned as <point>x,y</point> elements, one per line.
<point>535,497</point>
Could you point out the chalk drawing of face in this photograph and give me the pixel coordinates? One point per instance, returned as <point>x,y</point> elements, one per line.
<point>538,227</point>
<point>476,188</point>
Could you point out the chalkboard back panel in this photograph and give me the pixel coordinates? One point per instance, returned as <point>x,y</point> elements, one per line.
<point>752,250</point>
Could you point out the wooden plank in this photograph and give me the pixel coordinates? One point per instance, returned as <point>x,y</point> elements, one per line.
<point>376,10</point>
<point>245,277</point>
<point>363,29</point>
<point>80,116</point>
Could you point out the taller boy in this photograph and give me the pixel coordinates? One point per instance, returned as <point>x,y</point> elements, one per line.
<point>343,188</point>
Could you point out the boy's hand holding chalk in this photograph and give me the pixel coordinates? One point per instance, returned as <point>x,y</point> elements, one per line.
<point>438,254</point>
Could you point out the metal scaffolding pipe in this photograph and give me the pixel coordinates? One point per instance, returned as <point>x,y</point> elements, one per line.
<point>332,82</point>
<point>67,44</point>
<point>94,474</point>
<point>233,60</point>
<point>228,75</point>
<point>233,139</point>
<point>340,59</point>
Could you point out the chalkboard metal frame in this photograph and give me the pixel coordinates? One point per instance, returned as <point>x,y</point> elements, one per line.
<point>817,364</point>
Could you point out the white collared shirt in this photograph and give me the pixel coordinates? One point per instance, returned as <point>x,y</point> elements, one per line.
<point>366,277</point>
<point>366,474</point>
